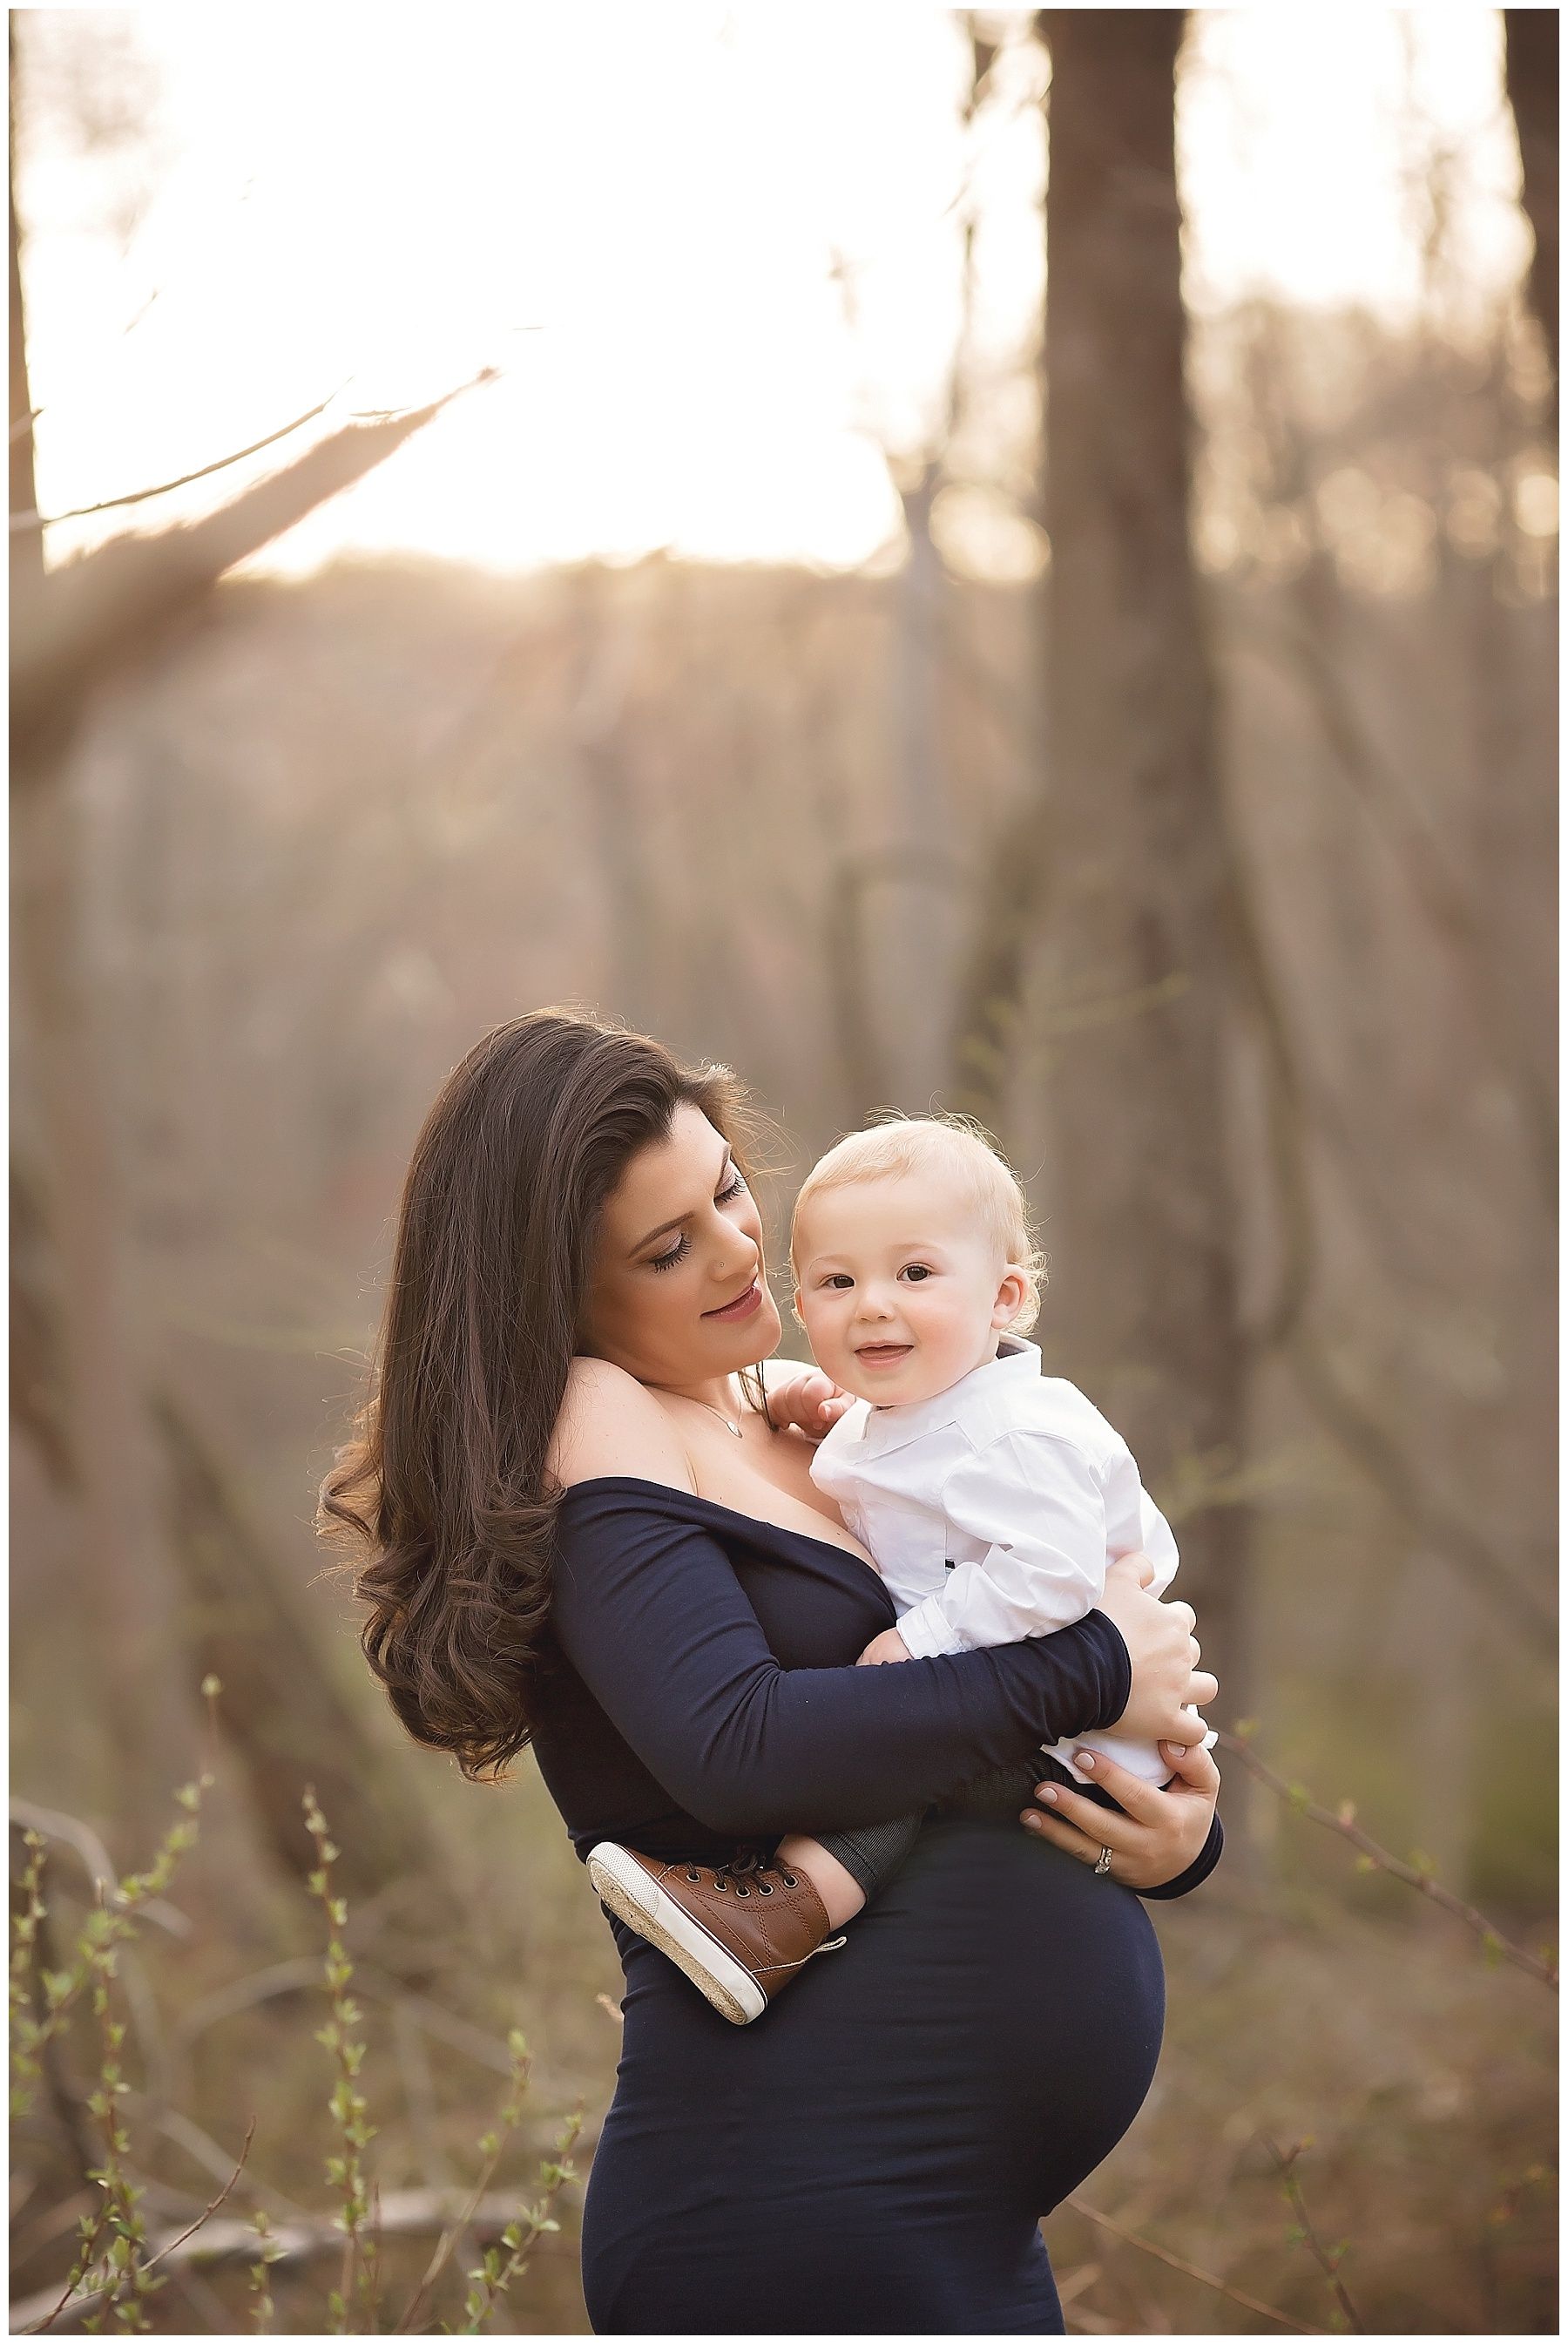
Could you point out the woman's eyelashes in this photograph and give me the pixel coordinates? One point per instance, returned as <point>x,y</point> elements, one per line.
<point>678,1250</point>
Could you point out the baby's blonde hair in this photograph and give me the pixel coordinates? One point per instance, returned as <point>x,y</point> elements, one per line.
<point>899,1143</point>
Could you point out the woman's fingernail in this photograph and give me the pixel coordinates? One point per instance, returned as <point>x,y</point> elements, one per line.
<point>1048,1792</point>
<point>1084,1757</point>
<point>1033,1822</point>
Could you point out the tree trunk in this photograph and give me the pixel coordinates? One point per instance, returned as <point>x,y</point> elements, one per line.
<point>27,545</point>
<point>1143,1220</point>
<point>908,895</point>
<point>1529,38</point>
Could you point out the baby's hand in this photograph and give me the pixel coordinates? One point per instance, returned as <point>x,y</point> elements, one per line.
<point>889,1646</point>
<point>813,1401</point>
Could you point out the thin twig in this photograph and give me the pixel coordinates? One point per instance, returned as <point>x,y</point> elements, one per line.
<point>79,2269</point>
<point>26,1814</point>
<point>491,2147</point>
<point>207,2211</point>
<point>1191,2270</point>
<point>25,521</point>
<point>1375,1858</point>
<point>1327,2258</point>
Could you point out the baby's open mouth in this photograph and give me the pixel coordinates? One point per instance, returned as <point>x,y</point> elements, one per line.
<point>883,1355</point>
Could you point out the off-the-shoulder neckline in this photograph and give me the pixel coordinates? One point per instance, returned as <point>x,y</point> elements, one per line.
<point>695,1498</point>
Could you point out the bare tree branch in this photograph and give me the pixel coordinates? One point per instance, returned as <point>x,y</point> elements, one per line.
<point>1373,1857</point>
<point>23,520</point>
<point>94,613</point>
<point>1191,2270</point>
<point>167,2254</point>
<point>1326,2258</point>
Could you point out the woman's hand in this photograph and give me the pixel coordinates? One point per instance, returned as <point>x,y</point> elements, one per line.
<point>1163,1830</point>
<point>1167,1685</point>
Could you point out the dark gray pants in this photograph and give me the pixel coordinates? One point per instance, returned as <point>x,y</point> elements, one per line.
<point>874,1854</point>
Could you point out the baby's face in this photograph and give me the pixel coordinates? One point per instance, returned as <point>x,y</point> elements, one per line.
<point>900,1286</point>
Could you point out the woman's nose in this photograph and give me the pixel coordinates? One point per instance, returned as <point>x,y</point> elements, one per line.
<point>743,1253</point>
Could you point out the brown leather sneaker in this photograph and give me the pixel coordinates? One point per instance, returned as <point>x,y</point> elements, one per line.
<point>740,1931</point>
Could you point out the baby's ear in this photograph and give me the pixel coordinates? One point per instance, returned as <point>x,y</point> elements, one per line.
<point>1011,1296</point>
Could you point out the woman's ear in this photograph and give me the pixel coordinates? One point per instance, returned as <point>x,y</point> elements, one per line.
<point>1010,1296</point>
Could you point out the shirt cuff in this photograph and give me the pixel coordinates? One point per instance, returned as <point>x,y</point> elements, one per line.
<point>928,1632</point>
<point>1202,1865</point>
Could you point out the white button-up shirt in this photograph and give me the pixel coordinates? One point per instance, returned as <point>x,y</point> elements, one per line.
<point>991,1512</point>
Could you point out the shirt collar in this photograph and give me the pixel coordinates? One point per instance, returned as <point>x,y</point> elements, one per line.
<point>887,1429</point>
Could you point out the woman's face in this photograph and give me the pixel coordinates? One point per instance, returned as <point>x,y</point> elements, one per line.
<point>678,1295</point>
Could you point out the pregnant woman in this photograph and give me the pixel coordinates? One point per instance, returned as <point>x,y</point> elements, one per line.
<point>585,1532</point>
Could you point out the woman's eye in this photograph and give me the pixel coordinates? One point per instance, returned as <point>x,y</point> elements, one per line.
<point>915,1270</point>
<point>668,1260</point>
<point>734,1189</point>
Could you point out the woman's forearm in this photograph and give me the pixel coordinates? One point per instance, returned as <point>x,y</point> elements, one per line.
<point>651,1613</point>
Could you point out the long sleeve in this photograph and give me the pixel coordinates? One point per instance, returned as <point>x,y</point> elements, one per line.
<point>1202,1865</point>
<point>650,1611</point>
<point>1036,1501</point>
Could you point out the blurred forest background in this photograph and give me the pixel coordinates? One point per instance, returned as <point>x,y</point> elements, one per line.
<point>1169,778</point>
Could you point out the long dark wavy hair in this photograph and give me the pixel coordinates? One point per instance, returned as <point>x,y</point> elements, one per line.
<point>445,1485</point>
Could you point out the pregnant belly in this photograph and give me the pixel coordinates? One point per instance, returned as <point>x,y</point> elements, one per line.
<point>890,2132</point>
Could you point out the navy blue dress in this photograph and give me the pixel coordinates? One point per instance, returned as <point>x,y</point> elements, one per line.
<point>874,2155</point>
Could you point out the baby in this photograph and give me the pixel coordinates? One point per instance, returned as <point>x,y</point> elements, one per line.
<point>991,1498</point>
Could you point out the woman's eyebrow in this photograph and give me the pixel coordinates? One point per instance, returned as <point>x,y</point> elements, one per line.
<point>665,1227</point>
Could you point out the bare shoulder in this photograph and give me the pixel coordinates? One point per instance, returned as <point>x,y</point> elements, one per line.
<point>611,1424</point>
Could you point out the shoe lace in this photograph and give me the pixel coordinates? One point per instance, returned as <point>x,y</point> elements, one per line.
<point>751,1866</point>
<point>749,1870</point>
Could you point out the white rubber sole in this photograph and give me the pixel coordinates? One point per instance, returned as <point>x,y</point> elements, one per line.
<point>620,1881</point>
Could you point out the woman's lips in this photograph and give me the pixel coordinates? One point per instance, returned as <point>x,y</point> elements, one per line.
<point>884,1355</point>
<point>743,1305</point>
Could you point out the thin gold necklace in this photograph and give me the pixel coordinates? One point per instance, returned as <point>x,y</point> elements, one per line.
<point>723,1419</point>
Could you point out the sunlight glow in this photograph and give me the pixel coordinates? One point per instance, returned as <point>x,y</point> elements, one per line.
<point>638,214</point>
